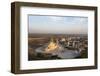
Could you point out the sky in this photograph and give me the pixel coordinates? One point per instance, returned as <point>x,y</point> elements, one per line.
<point>57,24</point>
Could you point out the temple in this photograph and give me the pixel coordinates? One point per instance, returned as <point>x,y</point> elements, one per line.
<point>53,46</point>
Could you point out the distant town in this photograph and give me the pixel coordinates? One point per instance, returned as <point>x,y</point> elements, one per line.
<point>75,43</point>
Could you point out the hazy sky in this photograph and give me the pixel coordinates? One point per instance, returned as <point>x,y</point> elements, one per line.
<point>57,24</point>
